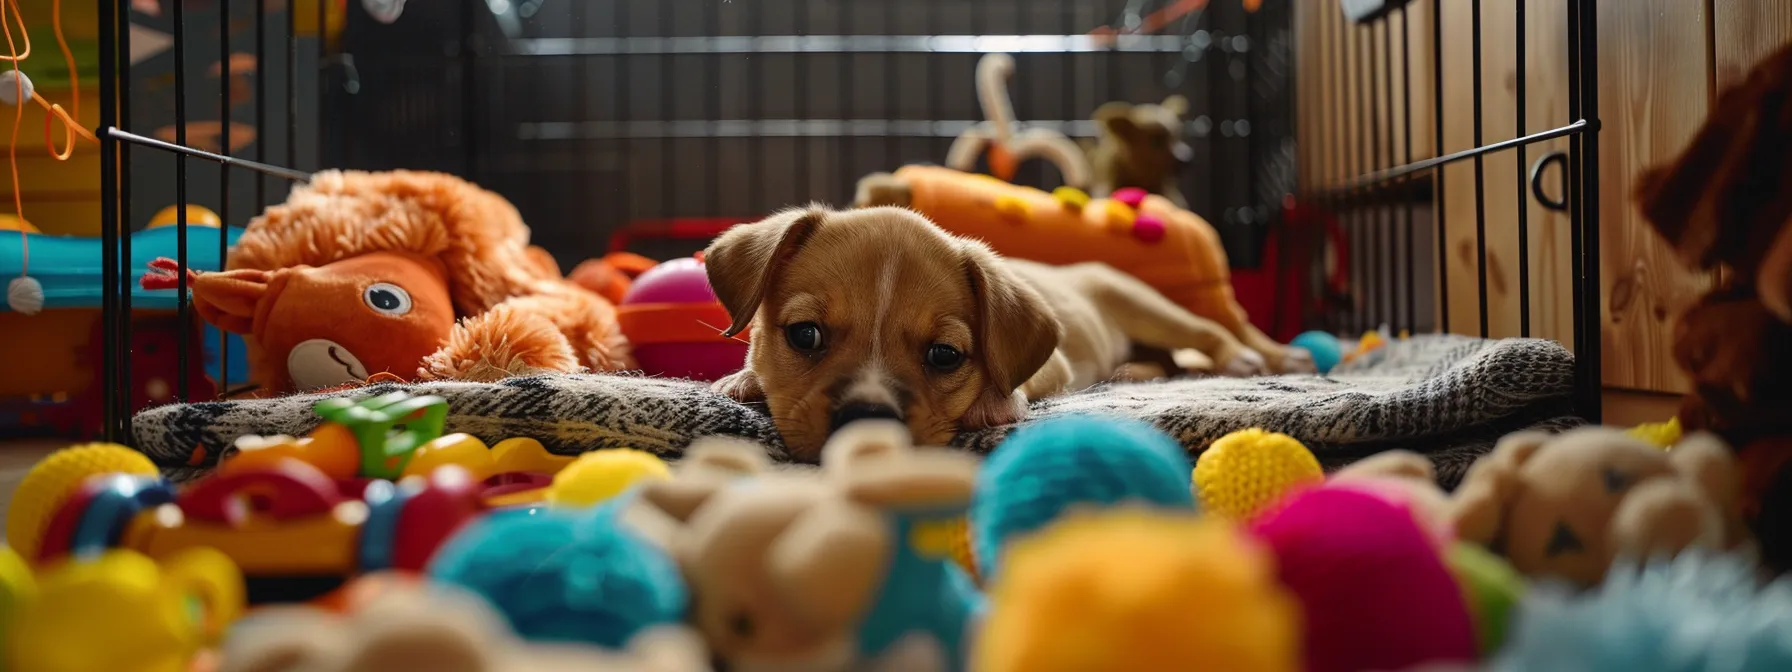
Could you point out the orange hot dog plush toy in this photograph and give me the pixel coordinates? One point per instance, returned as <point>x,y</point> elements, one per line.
<point>1169,248</point>
<point>415,274</point>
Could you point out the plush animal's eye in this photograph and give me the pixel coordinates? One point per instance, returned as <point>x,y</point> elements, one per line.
<point>1563,541</point>
<point>741,625</point>
<point>944,357</point>
<point>805,337</point>
<point>1615,481</point>
<point>386,298</point>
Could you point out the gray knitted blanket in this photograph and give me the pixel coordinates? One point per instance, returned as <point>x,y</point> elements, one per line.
<point>1449,397</point>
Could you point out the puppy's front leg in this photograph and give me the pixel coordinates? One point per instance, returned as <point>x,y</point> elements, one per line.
<point>742,386</point>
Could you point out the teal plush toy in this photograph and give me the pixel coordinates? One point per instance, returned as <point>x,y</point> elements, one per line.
<point>1051,466</point>
<point>927,600</point>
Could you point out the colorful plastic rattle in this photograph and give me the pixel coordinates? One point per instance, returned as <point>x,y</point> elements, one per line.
<point>388,428</point>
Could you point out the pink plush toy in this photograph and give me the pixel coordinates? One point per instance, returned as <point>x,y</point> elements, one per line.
<point>1375,591</point>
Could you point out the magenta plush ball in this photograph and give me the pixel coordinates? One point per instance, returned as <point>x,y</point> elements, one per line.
<point>1375,593</point>
<point>676,281</point>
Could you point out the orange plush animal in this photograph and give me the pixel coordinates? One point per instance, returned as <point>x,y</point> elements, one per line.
<point>418,275</point>
<point>1169,248</point>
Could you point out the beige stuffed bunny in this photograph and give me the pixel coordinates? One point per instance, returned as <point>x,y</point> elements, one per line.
<point>785,565</point>
<point>433,629</point>
<point>1565,505</point>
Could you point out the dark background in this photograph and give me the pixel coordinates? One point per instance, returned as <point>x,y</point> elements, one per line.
<point>574,111</point>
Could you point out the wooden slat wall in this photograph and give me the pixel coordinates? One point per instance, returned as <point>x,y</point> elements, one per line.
<point>1660,61</point>
<point>1503,183</point>
<point>1654,91</point>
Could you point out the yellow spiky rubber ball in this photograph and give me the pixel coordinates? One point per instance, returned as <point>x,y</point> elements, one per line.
<point>1244,472</point>
<point>52,480</point>
<point>600,475</point>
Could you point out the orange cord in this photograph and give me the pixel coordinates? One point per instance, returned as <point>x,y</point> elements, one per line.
<point>12,144</point>
<point>71,127</point>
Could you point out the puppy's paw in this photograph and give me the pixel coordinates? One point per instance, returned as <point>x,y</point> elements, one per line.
<point>1297,360</point>
<point>742,386</point>
<point>1245,363</point>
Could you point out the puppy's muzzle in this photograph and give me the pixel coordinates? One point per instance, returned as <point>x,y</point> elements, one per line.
<point>855,412</point>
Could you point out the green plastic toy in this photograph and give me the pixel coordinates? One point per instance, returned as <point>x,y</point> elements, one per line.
<point>388,428</point>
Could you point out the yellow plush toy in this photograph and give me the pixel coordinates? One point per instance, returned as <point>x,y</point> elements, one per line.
<point>1246,471</point>
<point>54,479</point>
<point>123,611</point>
<point>1131,589</point>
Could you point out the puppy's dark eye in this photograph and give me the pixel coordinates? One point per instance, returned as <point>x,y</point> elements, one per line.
<point>805,337</point>
<point>944,357</point>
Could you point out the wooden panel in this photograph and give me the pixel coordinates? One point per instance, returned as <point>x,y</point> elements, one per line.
<point>1746,31</point>
<point>1504,185</point>
<point>1654,81</point>
<point>1338,63</point>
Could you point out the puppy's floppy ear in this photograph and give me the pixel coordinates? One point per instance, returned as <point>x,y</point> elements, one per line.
<point>742,261</point>
<point>1016,331</point>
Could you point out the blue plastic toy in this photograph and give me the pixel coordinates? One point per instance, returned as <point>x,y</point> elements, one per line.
<point>566,575</point>
<point>1049,466</point>
<point>69,268</point>
<point>1701,612</point>
<point>1326,349</point>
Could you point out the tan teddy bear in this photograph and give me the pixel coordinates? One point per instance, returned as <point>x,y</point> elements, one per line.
<point>433,629</point>
<point>1566,505</point>
<point>785,565</point>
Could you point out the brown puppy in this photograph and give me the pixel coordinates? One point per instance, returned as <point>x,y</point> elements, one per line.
<point>877,313</point>
<point>1140,146</point>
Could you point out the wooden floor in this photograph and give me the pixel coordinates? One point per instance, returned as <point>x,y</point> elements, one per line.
<point>16,458</point>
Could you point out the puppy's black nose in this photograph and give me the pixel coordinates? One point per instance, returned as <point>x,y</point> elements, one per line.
<point>854,412</point>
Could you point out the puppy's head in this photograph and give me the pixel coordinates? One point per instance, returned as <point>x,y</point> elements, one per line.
<point>877,313</point>
<point>1151,134</point>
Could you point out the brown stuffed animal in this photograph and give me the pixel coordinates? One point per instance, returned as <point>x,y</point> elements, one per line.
<point>784,565</point>
<point>1140,146</point>
<point>1726,203</point>
<point>1566,505</point>
<point>420,628</point>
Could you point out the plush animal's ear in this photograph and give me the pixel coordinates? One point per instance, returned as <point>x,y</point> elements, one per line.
<point>1016,330</point>
<point>1480,502</point>
<point>1663,516</point>
<point>229,299</point>
<point>828,562</point>
<point>670,648</point>
<point>1708,461</point>
<point>878,189</point>
<point>1403,464</point>
<point>1176,104</point>
<point>709,465</point>
<point>860,444</point>
<point>1116,117</point>
<point>742,261</point>
<point>1774,280</point>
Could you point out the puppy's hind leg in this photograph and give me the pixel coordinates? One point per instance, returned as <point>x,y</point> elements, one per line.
<point>1148,318</point>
